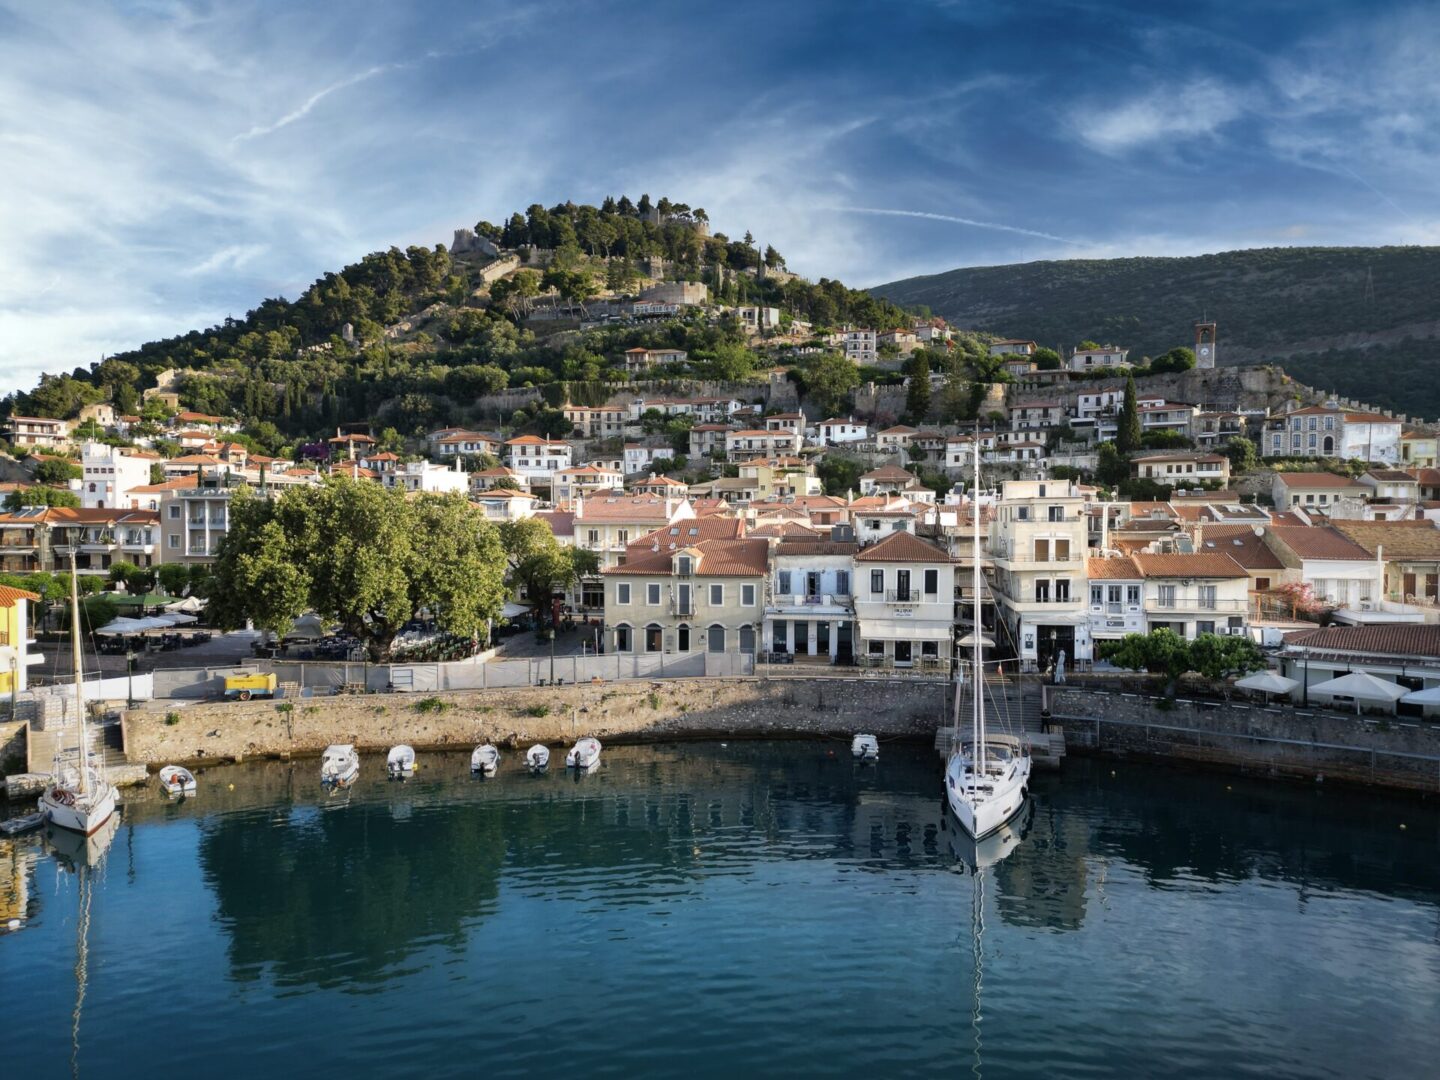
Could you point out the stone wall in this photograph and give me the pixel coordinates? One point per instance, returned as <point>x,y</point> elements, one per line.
<point>12,746</point>
<point>633,710</point>
<point>1279,740</point>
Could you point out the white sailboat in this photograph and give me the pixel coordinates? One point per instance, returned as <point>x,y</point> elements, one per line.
<point>988,777</point>
<point>78,797</point>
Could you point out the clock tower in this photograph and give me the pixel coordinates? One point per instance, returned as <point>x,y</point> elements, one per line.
<point>1204,344</point>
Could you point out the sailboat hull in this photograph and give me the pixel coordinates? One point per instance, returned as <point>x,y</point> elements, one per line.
<point>981,813</point>
<point>85,815</point>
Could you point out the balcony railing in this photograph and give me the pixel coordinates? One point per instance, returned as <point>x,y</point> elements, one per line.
<point>1182,603</point>
<point>809,599</point>
<point>910,596</point>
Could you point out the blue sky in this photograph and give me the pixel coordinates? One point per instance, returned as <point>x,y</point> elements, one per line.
<point>164,163</point>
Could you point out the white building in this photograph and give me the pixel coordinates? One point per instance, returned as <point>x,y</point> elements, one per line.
<point>426,476</point>
<point>859,345</point>
<point>1106,356</point>
<point>905,603</point>
<point>538,459</point>
<point>809,613</point>
<point>834,432</point>
<point>109,474</point>
<point>1328,431</point>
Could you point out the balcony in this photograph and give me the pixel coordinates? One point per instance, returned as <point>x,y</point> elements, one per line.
<point>1183,603</point>
<point>911,596</point>
<point>801,601</point>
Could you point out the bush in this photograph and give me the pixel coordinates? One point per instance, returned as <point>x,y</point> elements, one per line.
<point>537,710</point>
<point>172,718</point>
<point>431,705</point>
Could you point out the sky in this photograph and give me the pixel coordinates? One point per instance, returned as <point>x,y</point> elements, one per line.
<point>164,164</point>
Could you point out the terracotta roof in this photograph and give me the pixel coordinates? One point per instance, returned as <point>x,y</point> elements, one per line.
<point>1318,542</point>
<point>691,531</point>
<point>561,522</point>
<point>1242,544</point>
<point>903,547</point>
<point>788,528</point>
<point>718,558</point>
<point>639,508</point>
<point>888,472</point>
<point>1406,639</point>
<point>9,595</point>
<point>1316,480</point>
<point>1392,476</point>
<point>1199,565</point>
<point>534,440</point>
<point>1122,569</point>
<point>898,429</point>
<point>1394,539</point>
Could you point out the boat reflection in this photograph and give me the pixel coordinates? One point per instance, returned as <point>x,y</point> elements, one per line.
<point>978,855</point>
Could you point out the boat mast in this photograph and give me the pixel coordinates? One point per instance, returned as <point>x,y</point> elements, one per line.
<point>75,650</point>
<point>979,688</point>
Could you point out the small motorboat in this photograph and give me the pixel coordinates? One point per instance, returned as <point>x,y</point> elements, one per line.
<point>537,758</point>
<point>177,780</point>
<point>485,760</point>
<point>339,765</point>
<point>585,754</point>
<point>865,748</point>
<point>400,762</point>
<point>22,824</point>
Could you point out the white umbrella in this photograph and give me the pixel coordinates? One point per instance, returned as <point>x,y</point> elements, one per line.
<point>1423,697</point>
<point>190,605</point>
<point>1362,686</point>
<point>1270,682</point>
<point>122,625</point>
<point>176,618</point>
<point>512,610</point>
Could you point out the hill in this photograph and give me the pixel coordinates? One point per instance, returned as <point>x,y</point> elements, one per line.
<point>420,338</point>
<point>1360,321</point>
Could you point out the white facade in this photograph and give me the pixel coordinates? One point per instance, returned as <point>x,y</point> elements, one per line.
<point>1107,356</point>
<point>109,475</point>
<point>538,459</point>
<point>834,432</point>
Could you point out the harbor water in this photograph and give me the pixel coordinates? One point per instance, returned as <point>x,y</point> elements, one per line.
<point>710,909</point>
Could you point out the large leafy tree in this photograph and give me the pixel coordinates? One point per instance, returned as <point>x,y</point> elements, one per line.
<point>539,563</point>
<point>1164,652</point>
<point>361,555</point>
<point>829,379</point>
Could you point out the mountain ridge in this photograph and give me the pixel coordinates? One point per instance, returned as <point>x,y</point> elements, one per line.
<point>1352,319</point>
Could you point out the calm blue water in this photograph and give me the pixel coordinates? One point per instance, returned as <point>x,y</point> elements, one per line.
<point>750,909</point>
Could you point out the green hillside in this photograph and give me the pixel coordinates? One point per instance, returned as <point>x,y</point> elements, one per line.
<point>1361,321</point>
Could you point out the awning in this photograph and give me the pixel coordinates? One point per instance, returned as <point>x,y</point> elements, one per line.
<point>904,630</point>
<point>512,610</point>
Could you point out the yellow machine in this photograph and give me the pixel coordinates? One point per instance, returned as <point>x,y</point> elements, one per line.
<point>250,684</point>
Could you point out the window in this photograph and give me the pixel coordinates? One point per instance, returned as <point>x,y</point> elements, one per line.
<point>932,582</point>
<point>624,536</point>
<point>842,582</point>
<point>652,592</point>
<point>622,592</point>
<point>683,565</point>
<point>1022,513</point>
<point>1207,596</point>
<point>1167,595</point>
<point>174,542</point>
<point>1062,549</point>
<point>785,583</point>
<point>717,595</point>
<point>1205,626</point>
<point>1262,583</point>
<point>174,513</point>
<point>593,537</point>
<point>875,648</point>
<point>747,595</point>
<point>877,582</point>
<point>1042,550</point>
<point>1057,513</point>
<point>1062,590</point>
<point>1097,596</point>
<point>1042,592</point>
<point>902,585</point>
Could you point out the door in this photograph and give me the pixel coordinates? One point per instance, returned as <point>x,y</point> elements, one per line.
<point>845,644</point>
<point>715,639</point>
<point>903,654</point>
<point>1409,587</point>
<point>902,584</point>
<point>822,639</point>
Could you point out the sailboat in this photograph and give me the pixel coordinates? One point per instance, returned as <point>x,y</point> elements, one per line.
<point>988,777</point>
<point>78,797</point>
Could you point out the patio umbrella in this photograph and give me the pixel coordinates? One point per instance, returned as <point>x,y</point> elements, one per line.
<point>176,618</point>
<point>122,625</point>
<point>1270,682</point>
<point>1423,697</point>
<point>190,605</point>
<point>512,610</point>
<point>1361,686</point>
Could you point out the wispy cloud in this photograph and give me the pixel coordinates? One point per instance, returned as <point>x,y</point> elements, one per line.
<point>1197,109</point>
<point>303,110</point>
<point>954,220</point>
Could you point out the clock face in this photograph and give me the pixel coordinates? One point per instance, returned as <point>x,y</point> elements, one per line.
<point>1204,350</point>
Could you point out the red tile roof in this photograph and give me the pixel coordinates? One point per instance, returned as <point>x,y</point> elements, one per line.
<point>903,547</point>
<point>1412,639</point>
<point>1198,565</point>
<point>718,558</point>
<point>1318,542</point>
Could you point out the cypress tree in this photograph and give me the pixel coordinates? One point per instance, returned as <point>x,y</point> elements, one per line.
<point>1127,437</point>
<point>917,395</point>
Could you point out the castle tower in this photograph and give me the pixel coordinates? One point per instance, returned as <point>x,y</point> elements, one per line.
<point>1204,344</point>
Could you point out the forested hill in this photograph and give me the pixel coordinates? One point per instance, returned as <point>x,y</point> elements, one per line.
<point>1361,321</point>
<point>413,339</point>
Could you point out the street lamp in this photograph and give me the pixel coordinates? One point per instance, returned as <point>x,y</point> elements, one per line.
<point>130,678</point>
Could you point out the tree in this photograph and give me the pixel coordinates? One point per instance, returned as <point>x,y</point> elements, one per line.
<point>1242,452</point>
<point>839,474</point>
<point>41,496</point>
<point>731,363</point>
<point>361,555</point>
<point>1176,360</point>
<point>539,564</point>
<point>174,578</point>
<point>917,394</point>
<point>1127,438</point>
<point>829,379</point>
<point>1046,359</point>
<point>1164,652</point>
<point>55,472</point>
